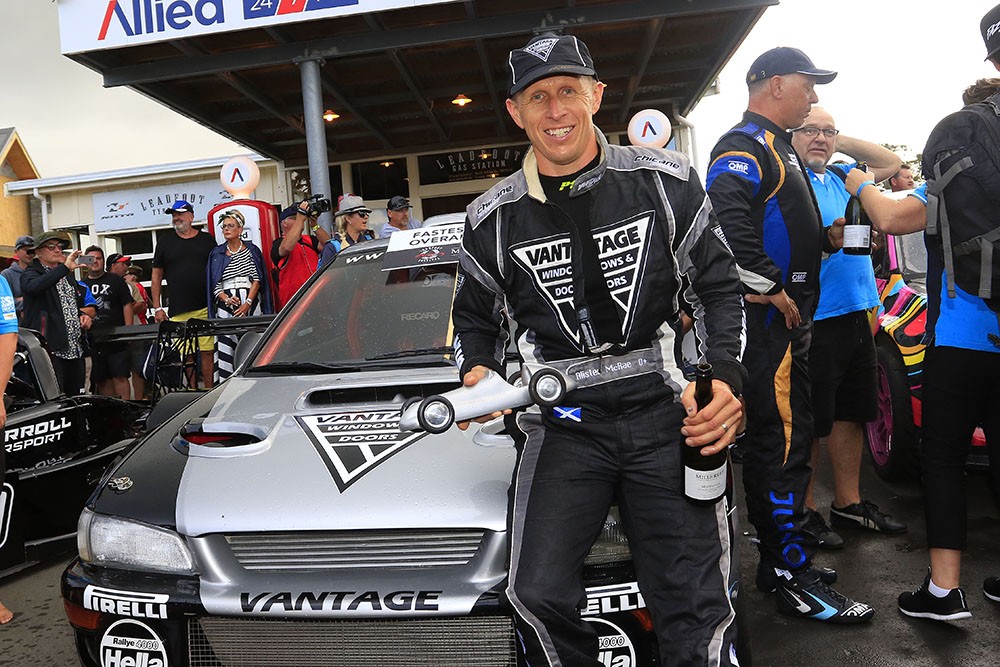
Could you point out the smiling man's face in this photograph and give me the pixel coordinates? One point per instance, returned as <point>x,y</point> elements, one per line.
<point>557,115</point>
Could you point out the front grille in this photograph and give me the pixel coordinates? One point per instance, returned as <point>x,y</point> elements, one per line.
<point>481,641</point>
<point>384,549</point>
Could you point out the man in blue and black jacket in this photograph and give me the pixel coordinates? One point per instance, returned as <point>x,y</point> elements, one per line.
<point>769,215</point>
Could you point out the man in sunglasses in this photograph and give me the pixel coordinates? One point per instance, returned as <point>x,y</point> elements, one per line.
<point>842,367</point>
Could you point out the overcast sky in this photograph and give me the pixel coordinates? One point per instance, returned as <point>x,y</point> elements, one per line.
<point>903,66</point>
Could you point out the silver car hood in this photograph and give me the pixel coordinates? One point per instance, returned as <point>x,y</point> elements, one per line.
<point>291,494</point>
<point>294,480</point>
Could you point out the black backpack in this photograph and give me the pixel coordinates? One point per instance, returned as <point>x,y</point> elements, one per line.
<point>963,159</point>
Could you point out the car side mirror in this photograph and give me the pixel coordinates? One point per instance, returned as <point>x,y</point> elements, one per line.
<point>248,342</point>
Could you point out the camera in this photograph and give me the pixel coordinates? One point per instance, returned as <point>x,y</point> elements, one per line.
<point>318,204</point>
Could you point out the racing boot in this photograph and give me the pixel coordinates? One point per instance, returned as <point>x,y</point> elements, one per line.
<point>767,577</point>
<point>806,595</point>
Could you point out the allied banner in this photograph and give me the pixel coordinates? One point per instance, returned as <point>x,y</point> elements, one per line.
<point>95,25</point>
<point>146,207</point>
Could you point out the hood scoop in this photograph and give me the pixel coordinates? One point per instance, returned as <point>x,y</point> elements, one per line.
<point>220,439</point>
<point>343,396</point>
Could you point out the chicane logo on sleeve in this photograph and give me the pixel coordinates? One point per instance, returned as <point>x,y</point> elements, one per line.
<point>352,444</point>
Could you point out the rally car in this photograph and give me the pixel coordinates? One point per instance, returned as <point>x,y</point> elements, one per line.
<point>893,438</point>
<point>285,518</point>
<point>56,449</point>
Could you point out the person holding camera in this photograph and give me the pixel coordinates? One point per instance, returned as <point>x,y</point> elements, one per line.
<point>296,254</point>
<point>352,227</point>
<point>59,307</point>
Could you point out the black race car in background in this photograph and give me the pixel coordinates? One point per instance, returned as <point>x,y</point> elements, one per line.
<point>56,449</point>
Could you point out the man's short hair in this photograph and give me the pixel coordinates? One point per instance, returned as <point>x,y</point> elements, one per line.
<point>92,248</point>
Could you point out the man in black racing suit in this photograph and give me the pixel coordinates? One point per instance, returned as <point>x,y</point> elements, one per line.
<point>586,254</point>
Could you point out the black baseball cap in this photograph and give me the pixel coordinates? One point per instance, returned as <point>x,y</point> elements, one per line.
<point>990,28</point>
<point>24,242</point>
<point>547,55</point>
<point>786,60</point>
<point>181,206</point>
<point>398,203</point>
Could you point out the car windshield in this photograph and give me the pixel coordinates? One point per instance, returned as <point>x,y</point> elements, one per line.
<point>356,316</point>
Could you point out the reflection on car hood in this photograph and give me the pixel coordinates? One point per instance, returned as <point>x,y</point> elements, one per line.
<point>336,467</point>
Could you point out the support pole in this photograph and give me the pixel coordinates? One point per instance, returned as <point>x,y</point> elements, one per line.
<point>312,116</point>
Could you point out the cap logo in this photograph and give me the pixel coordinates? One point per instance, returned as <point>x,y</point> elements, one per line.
<point>541,49</point>
<point>992,30</point>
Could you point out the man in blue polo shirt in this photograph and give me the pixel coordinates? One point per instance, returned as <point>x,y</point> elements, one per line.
<point>842,366</point>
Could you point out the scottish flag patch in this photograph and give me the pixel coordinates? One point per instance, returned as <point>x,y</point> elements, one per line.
<point>574,414</point>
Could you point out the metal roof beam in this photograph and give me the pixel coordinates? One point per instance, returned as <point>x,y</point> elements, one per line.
<point>498,109</point>
<point>377,42</point>
<point>653,30</point>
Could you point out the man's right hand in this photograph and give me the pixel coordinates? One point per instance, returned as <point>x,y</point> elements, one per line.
<point>471,379</point>
<point>70,261</point>
<point>783,303</point>
<point>160,315</point>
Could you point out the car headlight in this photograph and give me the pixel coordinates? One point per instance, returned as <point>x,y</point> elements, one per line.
<point>114,542</point>
<point>611,545</point>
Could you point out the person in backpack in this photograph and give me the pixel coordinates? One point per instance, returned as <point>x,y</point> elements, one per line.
<point>296,254</point>
<point>352,227</point>
<point>962,359</point>
<point>842,366</point>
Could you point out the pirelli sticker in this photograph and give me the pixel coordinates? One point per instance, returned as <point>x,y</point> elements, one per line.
<point>352,444</point>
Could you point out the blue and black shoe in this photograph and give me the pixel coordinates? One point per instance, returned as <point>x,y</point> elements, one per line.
<point>806,595</point>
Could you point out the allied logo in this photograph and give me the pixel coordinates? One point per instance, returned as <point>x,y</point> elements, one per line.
<point>541,49</point>
<point>352,444</point>
<point>157,16</point>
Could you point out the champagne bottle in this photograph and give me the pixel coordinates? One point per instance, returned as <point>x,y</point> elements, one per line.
<point>704,476</point>
<point>858,228</point>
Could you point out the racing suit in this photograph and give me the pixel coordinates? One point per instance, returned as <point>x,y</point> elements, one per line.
<point>617,436</point>
<point>770,217</point>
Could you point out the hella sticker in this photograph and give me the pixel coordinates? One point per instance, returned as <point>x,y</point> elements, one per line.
<point>129,643</point>
<point>614,648</point>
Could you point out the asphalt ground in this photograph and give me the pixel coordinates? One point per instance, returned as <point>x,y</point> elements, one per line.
<point>872,568</point>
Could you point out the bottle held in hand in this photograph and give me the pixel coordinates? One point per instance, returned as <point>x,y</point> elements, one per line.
<point>704,476</point>
<point>858,228</point>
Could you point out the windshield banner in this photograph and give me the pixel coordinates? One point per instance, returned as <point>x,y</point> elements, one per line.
<point>409,248</point>
<point>94,25</point>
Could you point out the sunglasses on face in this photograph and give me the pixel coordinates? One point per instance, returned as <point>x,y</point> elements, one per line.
<point>229,225</point>
<point>363,215</point>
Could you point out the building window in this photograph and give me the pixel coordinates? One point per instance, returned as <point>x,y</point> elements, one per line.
<point>380,180</point>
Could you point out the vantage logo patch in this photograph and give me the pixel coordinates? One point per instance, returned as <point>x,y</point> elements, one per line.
<point>352,444</point>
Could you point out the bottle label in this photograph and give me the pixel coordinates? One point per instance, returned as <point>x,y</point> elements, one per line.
<point>857,236</point>
<point>705,484</point>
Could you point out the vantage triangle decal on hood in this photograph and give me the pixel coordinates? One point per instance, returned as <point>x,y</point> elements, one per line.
<point>352,444</point>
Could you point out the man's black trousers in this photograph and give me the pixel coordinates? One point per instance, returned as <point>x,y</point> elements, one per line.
<point>568,474</point>
<point>778,448</point>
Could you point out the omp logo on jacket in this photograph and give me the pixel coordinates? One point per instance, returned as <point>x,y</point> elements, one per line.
<point>621,249</point>
<point>352,444</point>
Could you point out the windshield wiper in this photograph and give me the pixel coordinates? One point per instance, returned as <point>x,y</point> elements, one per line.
<point>419,352</point>
<point>303,367</point>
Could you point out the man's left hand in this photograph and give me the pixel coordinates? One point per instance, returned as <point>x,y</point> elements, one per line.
<point>715,425</point>
<point>835,232</point>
